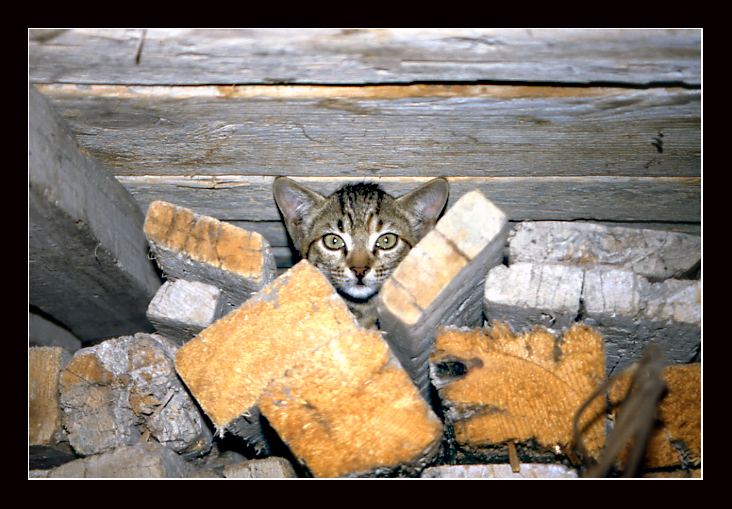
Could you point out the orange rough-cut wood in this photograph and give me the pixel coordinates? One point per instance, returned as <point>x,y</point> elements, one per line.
<point>44,415</point>
<point>500,387</point>
<point>676,440</point>
<point>350,409</point>
<point>229,364</point>
<point>206,239</point>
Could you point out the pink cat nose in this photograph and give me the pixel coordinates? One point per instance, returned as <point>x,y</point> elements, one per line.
<point>360,271</point>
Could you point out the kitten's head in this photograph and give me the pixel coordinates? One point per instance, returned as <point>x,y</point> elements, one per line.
<point>358,235</point>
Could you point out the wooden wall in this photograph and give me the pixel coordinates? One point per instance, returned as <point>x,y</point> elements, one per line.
<point>599,125</point>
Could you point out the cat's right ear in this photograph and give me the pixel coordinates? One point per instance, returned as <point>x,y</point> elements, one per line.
<point>296,202</point>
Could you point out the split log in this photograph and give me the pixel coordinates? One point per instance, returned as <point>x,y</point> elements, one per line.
<point>288,339</point>
<point>47,440</point>
<point>122,389</point>
<point>656,255</point>
<point>440,282</point>
<point>497,387</point>
<point>630,312</point>
<point>499,471</point>
<point>181,309</point>
<point>272,468</point>
<point>146,460</point>
<point>627,309</point>
<point>201,248</point>
<point>676,439</point>
<point>350,409</point>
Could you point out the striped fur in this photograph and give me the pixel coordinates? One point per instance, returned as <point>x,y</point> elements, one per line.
<point>350,234</point>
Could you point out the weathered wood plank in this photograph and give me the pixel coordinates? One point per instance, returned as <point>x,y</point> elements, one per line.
<point>276,234</point>
<point>88,265</point>
<point>647,199</point>
<point>425,130</point>
<point>167,56</point>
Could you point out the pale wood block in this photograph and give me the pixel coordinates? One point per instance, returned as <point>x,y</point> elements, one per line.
<point>630,312</point>
<point>654,254</point>
<point>440,282</point>
<point>44,415</point>
<point>181,309</point>
<point>350,409</point>
<point>228,365</point>
<point>498,387</point>
<point>201,248</point>
<point>267,468</point>
<point>676,438</point>
<point>499,471</point>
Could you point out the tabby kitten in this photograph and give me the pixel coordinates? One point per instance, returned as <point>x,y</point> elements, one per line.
<point>358,235</point>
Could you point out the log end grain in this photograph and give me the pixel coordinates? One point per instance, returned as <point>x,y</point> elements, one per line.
<point>209,241</point>
<point>500,387</point>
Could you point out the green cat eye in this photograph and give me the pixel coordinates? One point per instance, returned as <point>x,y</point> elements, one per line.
<point>387,241</point>
<point>333,242</point>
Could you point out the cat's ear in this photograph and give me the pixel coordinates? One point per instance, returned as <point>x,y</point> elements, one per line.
<point>426,203</point>
<point>296,202</point>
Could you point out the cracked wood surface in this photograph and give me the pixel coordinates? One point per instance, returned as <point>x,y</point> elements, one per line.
<point>173,56</point>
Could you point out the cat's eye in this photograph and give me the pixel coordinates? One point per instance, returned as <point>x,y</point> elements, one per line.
<point>387,241</point>
<point>333,242</point>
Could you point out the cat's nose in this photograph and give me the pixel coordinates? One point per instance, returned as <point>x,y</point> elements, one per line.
<point>360,271</point>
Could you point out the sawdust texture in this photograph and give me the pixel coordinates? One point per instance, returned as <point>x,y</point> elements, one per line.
<point>519,388</point>
<point>676,440</point>
<point>206,239</point>
<point>351,409</point>
<point>229,364</point>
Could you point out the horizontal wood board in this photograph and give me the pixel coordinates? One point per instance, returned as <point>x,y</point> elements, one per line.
<point>332,56</point>
<point>386,131</point>
<point>647,199</point>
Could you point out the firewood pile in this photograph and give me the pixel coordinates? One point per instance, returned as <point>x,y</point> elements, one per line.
<point>494,343</point>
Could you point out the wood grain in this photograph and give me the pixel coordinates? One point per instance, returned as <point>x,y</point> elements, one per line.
<point>426,130</point>
<point>249,198</point>
<point>88,264</point>
<point>194,57</point>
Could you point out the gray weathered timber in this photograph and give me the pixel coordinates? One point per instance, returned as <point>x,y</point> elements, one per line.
<point>88,265</point>
<point>423,130</point>
<point>171,56</point>
<point>440,282</point>
<point>630,312</point>
<point>42,332</point>
<point>654,254</point>
<point>148,459</point>
<point>499,471</point>
<point>249,198</point>
<point>181,309</point>
<point>113,393</point>
<point>272,467</point>
<point>276,234</point>
<point>527,294</point>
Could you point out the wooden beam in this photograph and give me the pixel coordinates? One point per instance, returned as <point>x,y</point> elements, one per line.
<point>167,56</point>
<point>425,130</point>
<point>249,198</point>
<point>88,265</point>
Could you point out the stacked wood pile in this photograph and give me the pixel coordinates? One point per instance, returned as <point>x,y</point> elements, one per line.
<point>533,129</point>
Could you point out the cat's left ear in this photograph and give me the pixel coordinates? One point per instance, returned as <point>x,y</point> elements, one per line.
<point>426,203</point>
